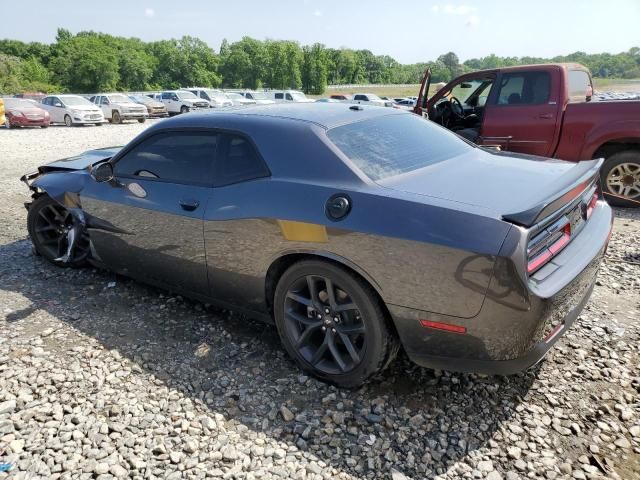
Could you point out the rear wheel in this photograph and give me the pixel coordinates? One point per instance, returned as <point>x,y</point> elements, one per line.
<point>620,176</point>
<point>50,226</point>
<point>67,121</point>
<point>332,323</point>
<point>142,120</point>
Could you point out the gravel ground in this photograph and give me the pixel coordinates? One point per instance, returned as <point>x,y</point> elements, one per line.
<point>102,377</point>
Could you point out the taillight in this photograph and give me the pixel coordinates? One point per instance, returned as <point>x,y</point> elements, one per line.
<point>547,244</point>
<point>592,204</point>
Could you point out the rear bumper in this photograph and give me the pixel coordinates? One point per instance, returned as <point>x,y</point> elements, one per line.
<point>521,318</point>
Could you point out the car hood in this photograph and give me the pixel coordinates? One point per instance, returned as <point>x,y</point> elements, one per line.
<point>82,161</point>
<point>29,110</point>
<point>129,104</point>
<point>87,108</point>
<point>508,185</point>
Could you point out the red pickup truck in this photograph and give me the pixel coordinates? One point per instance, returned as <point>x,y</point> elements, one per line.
<point>546,110</point>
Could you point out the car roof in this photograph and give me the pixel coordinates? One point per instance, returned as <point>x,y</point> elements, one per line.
<point>326,115</point>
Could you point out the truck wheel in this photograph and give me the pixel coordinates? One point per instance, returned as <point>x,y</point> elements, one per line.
<point>332,323</point>
<point>184,109</point>
<point>142,120</point>
<point>115,115</point>
<point>620,176</point>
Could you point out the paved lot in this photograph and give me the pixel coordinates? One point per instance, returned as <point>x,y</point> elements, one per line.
<point>102,377</point>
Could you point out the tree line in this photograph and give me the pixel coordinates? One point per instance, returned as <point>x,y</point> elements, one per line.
<point>91,62</point>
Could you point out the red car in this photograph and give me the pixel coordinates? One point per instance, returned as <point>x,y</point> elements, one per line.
<point>25,113</point>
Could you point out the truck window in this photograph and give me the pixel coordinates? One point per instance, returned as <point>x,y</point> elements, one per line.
<point>279,96</point>
<point>580,89</point>
<point>524,88</point>
<point>289,97</point>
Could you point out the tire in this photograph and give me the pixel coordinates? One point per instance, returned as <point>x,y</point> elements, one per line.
<point>115,116</point>
<point>311,334</point>
<point>67,121</point>
<point>142,120</point>
<point>44,222</point>
<point>620,175</point>
<point>44,126</point>
<point>99,124</point>
<point>184,109</point>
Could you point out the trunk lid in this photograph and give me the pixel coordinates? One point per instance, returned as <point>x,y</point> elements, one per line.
<point>521,189</point>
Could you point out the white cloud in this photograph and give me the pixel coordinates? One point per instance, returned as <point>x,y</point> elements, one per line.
<point>317,13</point>
<point>450,9</point>
<point>149,12</point>
<point>472,21</point>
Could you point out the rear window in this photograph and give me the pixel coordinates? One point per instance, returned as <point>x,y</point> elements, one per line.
<point>579,86</point>
<point>394,144</point>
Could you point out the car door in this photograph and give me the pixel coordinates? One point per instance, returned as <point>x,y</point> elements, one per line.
<point>147,222</point>
<point>105,107</point>
<point>168,101</point>
<point>229,220</point>
<point>523,114</point>
<point>58,110</point>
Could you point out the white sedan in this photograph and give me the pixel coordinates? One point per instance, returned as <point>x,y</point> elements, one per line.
<point>72,110</point>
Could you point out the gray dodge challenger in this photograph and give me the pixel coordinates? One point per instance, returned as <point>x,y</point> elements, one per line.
<point>356,230</point>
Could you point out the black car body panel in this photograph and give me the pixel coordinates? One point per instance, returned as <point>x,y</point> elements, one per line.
<point>430,249</point>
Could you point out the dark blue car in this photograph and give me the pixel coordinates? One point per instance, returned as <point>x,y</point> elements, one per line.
<point>357,230</point>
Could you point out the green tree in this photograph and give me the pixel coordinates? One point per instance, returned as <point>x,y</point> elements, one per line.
<point>315,69</point>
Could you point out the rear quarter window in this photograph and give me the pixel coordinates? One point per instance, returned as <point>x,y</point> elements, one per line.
<point>579,86</point>
<point>395,144</point>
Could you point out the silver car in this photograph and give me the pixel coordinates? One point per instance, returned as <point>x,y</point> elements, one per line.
<point>72,110</point>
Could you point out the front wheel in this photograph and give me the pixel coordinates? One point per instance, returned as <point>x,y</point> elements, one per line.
<point>332,323</point>
<point>67,121</point>
<point>116,117</point>
<point>620,176</point>
<point>142,120</point>
<point>56,234</point>
<point>184,109</point>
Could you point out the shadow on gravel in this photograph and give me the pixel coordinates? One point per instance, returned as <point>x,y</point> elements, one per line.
<point>417,421</point>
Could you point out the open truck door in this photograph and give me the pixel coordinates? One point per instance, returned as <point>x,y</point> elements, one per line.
<point>421,104</point>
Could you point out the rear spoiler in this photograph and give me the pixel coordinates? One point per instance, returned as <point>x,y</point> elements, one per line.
<point>587,175</point>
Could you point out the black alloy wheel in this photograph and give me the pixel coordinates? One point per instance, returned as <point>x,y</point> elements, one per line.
<point>332,324</point>
<point>50,226</point>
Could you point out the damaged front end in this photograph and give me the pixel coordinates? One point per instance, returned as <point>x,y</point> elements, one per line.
<point>62,218</point>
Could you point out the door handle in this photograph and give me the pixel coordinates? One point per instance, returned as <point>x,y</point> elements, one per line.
<point>189,205</point>
<point>546,115</point>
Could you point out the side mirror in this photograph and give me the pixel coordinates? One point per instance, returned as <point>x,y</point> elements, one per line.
<point>102,172</point>
<point>58,104</point>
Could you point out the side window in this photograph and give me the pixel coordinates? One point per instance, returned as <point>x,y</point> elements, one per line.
<point>178,157</point>
<point>580,89</point>
<point>166,96</point>
<point>55,101</point>
<point>47,101</point>
<point>289,97</point>
<point>174,96</point>
<point>93,99</point>
<point>105,101</point>
<point>238,161</point>
<point>526,88</point>
<point>204,95</point>
<point>279,96</point>
<point>359,97</point>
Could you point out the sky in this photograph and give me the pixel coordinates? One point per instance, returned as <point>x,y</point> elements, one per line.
<point>408,30</point>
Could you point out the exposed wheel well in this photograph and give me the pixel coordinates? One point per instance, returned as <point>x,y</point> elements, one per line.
<point>278,267</point>
<point>611,148</point>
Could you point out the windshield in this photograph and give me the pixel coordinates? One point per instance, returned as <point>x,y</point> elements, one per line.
<point>75,101</point>
<point>373,96</point>
<point>187,96</point>
<point>235,96</point>
<point>258,96</point>
<point>119,99</point>
<point>17,103</point>
<point>394,144</point>
<point>298,95</point>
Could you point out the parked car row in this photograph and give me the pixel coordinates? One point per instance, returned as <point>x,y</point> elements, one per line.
<point>97,109</point>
